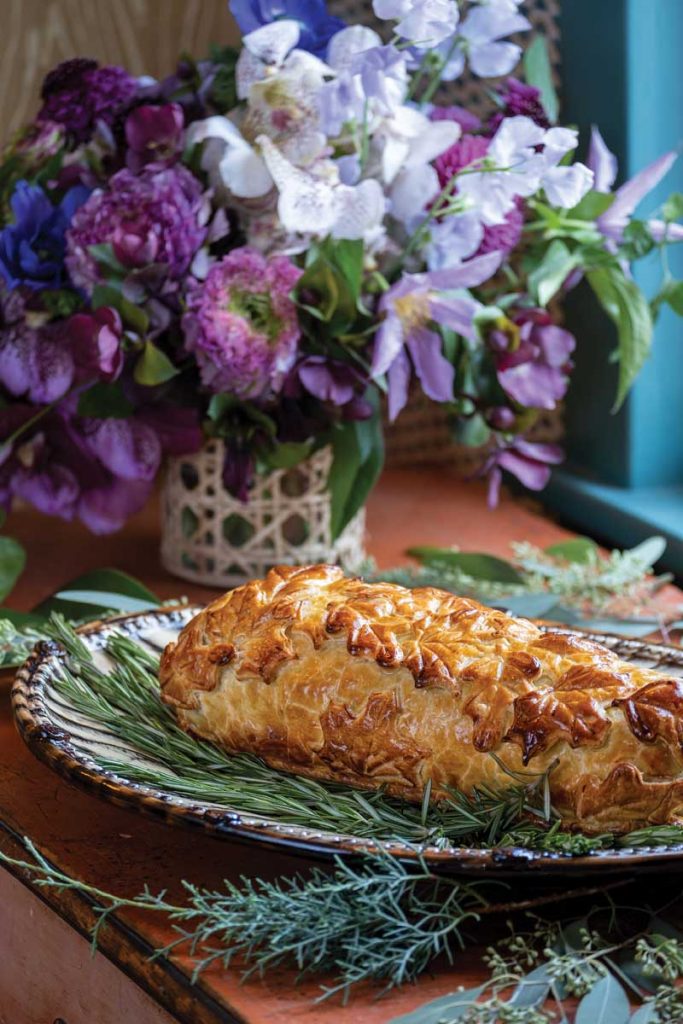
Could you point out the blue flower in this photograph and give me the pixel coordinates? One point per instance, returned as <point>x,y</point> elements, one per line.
<point>32,248</point>
<point>317,25</point>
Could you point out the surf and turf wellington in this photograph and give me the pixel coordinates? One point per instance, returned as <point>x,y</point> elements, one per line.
<point>376,685</point>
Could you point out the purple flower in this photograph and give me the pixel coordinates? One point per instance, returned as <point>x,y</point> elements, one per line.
<point>316,25</point>
<point>156,217</point>
<point>238,469</point>
<point>32,248</point>
<point>153,133</point>
<point>533,370</point>
<point>242,325</point>
<point>128,448</point>
<point>467,150</point>
<point>404,337</point>
<point>614,221</point>
<point>330,380</point>
<point>77,94</point>
<point>527,461</point>
<point>519,98</point>
<point>95,342</point>
<point>177,427</point>
<point>105,509</point>
<point>33,364</point>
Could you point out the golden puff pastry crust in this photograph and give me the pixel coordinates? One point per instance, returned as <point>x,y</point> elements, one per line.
<point>374,685</point>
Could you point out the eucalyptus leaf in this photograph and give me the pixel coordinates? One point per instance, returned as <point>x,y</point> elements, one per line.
<point>539,73</point>
<point>12,563</point>
<point>530,606</point>
<point>153,366</point>
<point>475,564</point>
<point>606,1003</point>
<point>650,550</point>
<point>104,599</point>
<point>449,1008</point>
<point>625,304</point>
<point>533,988</point>
<point>106,582</point>
<point>645,1014</point>
<point>582,550</point>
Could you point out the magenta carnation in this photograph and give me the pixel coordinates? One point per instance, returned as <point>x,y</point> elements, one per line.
<point>77,94</point>
<point>242,325</point>
<point>153,218</point>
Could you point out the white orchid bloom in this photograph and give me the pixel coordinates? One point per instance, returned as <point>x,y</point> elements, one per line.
<point>316,205</point>
<point>231,163</point>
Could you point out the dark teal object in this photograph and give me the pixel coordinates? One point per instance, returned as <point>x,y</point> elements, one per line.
<point>623,70</point>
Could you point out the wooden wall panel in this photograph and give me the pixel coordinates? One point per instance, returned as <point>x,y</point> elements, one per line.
<point>144,35</point>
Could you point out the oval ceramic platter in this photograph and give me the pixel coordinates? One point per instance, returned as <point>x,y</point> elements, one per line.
<point>79,749</point>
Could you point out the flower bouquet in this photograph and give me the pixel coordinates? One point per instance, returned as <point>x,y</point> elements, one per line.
<point>257,252</point>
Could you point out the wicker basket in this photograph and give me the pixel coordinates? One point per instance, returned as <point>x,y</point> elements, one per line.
<point>212,538</point>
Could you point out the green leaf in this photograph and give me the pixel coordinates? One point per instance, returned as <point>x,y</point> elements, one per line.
<point>132,316</point>
<point>626,305</point>
<point>287,454</point>
<point>153,367</point>
<point>108,583</point>
<point>549,276</point>
<point>478,566</point>
<point>22,619</point>
<point>60,302</point>
<point>606,1003</point>
<point>472,431</point>
<point>105,401</point>
<point>581,550</point>
<point>12,562</point>
<point>358,456</point>
<point>672,294</point>
<point>103,254</point>
<point>672,209</point>
<point>592,206</point>
<point>449,1008</point>
<point>347,256</point>
<point>539,73</point>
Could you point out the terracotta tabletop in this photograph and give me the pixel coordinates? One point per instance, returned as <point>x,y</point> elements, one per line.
<point>46,973</point>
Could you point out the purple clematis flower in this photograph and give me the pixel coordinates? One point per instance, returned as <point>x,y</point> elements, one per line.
<point>614,221</point>
<point>404,340</point>
<point>33,247</point>
<point>529,462</point>
<point>534,373</point>
<point>330,380</point>
<point>316,24</point>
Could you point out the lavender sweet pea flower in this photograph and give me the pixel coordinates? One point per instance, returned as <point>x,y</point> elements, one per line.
<point>316,24</point>
<point>454,239</point>
<point>614,221</point>
<point>420,21</point>
<point>529,462</point>
<point>409,307</point>
<point>32,248</point>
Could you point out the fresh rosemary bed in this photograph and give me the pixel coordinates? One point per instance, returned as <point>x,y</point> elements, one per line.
<point>125,701</point>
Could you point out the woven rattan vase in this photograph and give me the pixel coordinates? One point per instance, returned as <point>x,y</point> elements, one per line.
<point>210,537</point>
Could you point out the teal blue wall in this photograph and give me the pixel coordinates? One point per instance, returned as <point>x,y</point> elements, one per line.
<point>623,70</point>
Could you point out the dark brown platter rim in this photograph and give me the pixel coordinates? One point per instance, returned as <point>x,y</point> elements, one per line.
<point>53,747</point>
